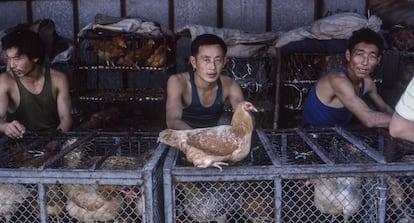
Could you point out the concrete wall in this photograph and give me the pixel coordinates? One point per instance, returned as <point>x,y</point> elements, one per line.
<point>249,15</point>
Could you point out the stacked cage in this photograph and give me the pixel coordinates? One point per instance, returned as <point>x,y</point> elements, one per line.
<point>298,175</point>
<point>82,177</point>
<point>343,175</point>
<point>119,72</point>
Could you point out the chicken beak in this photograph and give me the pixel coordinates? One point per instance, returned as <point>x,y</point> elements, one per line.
<point>250,107</point>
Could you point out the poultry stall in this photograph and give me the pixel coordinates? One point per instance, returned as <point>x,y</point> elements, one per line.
<point>299,175</point>
<point>81,177</point>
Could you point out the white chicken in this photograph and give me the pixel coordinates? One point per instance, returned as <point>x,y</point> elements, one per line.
<point>338,196</point>
<point>212,146</point>
<point>11,196</point>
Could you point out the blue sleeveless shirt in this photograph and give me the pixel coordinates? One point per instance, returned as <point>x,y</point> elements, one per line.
<point>315,113</point>
<point>198,116</point>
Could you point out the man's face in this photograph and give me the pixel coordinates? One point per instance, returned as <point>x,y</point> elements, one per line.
<point>20,65</point>
<point>363,59</point>
<point>209,62</point>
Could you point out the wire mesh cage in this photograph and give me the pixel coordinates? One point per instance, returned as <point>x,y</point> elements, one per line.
<point>226,201</point>
<point>256,77</point>
<point>300,175</point>
<point>343,175</point>
<point>242,192</point>
<point>105,49</point>
<point>329,199</point>
<point>83,177</point>
<point>119,57</point>
<point>120,72</point>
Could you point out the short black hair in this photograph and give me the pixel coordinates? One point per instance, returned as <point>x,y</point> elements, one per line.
<point>26,42</point>
<point>207,39</point>
<point>366,35</point>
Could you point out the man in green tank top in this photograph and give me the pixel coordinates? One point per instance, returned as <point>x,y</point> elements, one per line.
<point>32,96</point>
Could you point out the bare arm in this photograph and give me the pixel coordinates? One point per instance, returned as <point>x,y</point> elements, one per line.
<point>63,101</point>
<point>377,99</point>
<point>345,92</point>
<point>233,91</point>
<point>401,128</point>
<point>12,129</point>
<point>174,104</point>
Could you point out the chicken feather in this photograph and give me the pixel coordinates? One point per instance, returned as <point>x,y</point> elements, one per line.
<point>11,197</point>
<point>143,53</point>
<point>92,202</point>
<point>110,50</point>
<point>205,202</point>
<point>212,146</point>
<point>157,59</point>
<point>338,196</point>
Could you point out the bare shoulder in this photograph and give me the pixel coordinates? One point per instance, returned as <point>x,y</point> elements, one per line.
<point>55,74</point>
<point>331,85</point>
<point>336,76</point>
<point>6,78</point>
<point>227,81</point>
<point>59,79</point>
<point>335,80</point>
<point>178,79</point>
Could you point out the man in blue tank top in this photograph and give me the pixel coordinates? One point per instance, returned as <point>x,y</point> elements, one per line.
<point>338,94</point>
<point>195,99</point>
<point>32,96</point>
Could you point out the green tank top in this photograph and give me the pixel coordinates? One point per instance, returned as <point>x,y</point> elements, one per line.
<point>37,112</point>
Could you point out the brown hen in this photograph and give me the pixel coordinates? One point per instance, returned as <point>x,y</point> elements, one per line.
<point>158,58</point>
<point>90,203</point>
<point>110,50</point>
<point>212,146</point>
<point>143,53</point>
<point>128,59</point>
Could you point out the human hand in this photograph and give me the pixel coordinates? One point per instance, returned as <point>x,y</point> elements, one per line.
<point>14,130</point>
